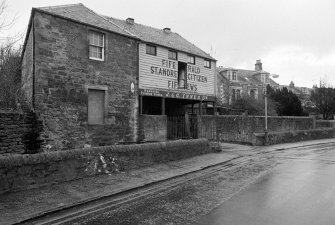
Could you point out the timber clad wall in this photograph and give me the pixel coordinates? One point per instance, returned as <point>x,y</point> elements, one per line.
<point>155,81</point>
<point>64,74</point>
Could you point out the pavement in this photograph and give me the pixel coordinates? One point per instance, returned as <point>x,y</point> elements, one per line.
<point>16,207</point>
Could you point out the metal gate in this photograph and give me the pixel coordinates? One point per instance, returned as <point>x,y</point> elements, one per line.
<point>182,127</point>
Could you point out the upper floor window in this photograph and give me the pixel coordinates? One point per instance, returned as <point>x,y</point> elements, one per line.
<point>234,77</point>
<point>151,50</point>
<point>172,55</point>
<point>267,80</point>
<point>207,63</point>
<point>191,59</point>
<point>97,45</point>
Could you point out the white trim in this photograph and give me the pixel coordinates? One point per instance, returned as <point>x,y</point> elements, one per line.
<point>103,46</point>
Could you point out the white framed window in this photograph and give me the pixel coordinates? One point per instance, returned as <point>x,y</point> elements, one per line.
<point>234,77</point>
<point>207,63</point>
<point>191,59</point>
<point>97,45</point>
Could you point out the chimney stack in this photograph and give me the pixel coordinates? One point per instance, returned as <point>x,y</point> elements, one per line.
<point>258,65</point>
<point>130,21</point>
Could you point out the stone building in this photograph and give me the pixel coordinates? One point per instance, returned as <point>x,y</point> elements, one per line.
<point>92,78</point>
<point>234,83</point>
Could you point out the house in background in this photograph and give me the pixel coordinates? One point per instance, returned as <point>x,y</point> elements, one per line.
<point>96,79</point>
<point>234,83</point>
<point>303,94</point>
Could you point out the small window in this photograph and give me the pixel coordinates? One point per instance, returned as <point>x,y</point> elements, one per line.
<point>234,77</point>
<point>207,63</point>
<point>172,55</point>
<point>97,45</point>
<point>151,50</point>
<point>191,59</point>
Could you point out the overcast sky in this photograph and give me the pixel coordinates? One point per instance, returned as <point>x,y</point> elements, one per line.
<point>294,38</point>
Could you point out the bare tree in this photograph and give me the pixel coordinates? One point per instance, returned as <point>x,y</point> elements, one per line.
<point>10,65</point>
<point>10,77</point>
<point>323,98</point>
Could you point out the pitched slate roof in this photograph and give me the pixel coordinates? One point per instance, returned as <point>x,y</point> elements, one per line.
<point>82,14</point>
<point>160,37</point>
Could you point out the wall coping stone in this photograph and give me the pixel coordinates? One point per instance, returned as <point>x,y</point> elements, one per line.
<point>11,161</point>
<point>262,134</point>
<point>269,117</point>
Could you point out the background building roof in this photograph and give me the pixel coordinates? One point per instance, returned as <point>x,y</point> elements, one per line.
<point>248,76</point>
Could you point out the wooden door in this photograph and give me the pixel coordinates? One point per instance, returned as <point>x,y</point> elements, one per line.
<point>96,106</point>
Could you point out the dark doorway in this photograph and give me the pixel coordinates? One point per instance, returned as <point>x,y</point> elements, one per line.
<point>182,73</point>
<point>152,105</point>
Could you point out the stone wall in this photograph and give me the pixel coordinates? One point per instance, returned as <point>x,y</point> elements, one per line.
<point>241,128</point>
<point>64,74</point>
<point>325,123</point>
<point>21,172</point>
<point>27,77</point>
<point>153,128</point>
<point>19,133</point>
<point>293,136</point>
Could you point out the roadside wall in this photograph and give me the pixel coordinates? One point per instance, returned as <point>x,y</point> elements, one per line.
<point>293,136</point>
<point>153,128</point>
<point>19,172</point>
<point>19,133</point>
<point>325,123</point>
<point>241,128</point>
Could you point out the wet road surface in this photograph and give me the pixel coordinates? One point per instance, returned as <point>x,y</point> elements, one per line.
<point>295,186</point>
<point>299,191</point>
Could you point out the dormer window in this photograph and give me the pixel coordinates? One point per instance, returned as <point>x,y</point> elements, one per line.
<point>234,77</point>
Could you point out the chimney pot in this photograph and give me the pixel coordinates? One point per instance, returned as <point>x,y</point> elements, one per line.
<point>167,30</point>
<point>130,21</point>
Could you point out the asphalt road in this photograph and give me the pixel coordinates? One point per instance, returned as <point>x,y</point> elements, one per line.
<point>283,187</point>
<point>299,191</point>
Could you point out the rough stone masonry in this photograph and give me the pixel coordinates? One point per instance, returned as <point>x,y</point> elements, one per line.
<point>58,85</point>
